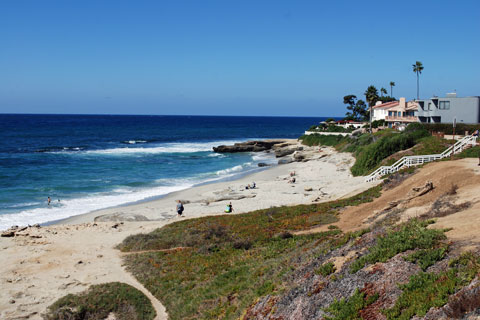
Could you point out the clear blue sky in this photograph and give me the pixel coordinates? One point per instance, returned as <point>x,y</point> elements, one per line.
<point>285,58</point>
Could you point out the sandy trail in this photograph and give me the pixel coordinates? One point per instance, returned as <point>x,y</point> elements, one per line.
<point>47,263</point>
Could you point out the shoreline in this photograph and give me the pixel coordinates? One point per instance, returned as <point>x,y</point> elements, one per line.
<point>73,219</point>
<point>211,198</point>
<point>49,262</point>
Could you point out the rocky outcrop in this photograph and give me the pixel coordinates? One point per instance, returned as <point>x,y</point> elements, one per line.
<point>287,151</point>
<point>16,230</point>
<point>249,146</point>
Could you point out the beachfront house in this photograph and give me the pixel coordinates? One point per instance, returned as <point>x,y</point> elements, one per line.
<point>445,110</point>
<point>397,114</point>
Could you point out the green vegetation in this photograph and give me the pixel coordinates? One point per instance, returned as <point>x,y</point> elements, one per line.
<point>321,140</point>
<point>431,145</point>
<point>326,269</point>
<point>371,150</point>
<point>217,266</point>
<point>409,236</point>
<point>99,301</point>
<point>357,109</point>
<point>378,123</point>
<point>447,128</point>
<point>371,155</point>
<point>330,128</point>
<point>469,153</point>
<point>427,257</point>
<point>349,309</point>
<point>427,290</point>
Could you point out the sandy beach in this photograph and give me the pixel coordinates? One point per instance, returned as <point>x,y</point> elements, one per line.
<point>44,264</point>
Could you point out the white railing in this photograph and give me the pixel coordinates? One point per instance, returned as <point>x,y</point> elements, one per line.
<point>409,161</point>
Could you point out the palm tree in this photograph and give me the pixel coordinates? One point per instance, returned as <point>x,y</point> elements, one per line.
<point>383,91</point>
<point>392,84</point>
<point>371,95</point>
<point>417,68</point>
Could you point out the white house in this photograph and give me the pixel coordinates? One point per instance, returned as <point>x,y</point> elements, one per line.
<point>397,114</point>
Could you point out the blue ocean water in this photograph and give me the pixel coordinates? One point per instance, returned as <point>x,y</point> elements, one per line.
<point>90,162</point>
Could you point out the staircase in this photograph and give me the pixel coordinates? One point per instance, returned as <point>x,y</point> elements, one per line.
<point>409,161</point>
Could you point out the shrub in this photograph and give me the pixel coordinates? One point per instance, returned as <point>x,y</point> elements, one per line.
<point>469,153</point>
<point>378,123</point>
<point>409,236</point>
<point>321,140</point>
<point>99,301</point>
<point>447,128</point>
<point>427,290</point>
<point>242,244</point>
<point>371,155</point>
<point>326,269</point>
<point>427,257</point>
<point>349,309</point>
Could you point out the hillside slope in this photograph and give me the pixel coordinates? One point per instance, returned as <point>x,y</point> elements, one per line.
<point>401,268</point>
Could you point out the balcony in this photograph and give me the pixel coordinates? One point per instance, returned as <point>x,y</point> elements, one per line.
<point>401,119</point>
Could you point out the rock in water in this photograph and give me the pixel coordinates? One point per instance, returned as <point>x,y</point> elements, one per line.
<point>249,146</point>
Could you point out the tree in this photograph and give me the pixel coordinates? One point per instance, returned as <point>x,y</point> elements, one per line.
<point>417,68</point>
<point>383,91</point>
<point>371,95</point>
<point>392,84</point>
<point>357,108</point>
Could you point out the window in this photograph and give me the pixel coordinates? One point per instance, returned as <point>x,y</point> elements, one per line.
<point>444,105</point>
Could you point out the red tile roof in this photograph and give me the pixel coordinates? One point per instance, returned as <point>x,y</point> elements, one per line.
<point>387,104</point>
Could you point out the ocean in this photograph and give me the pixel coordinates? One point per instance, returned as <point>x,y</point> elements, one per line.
<point>90,162</point>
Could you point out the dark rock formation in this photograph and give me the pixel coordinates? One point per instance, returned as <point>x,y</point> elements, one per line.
<point>263,164</point>
<point>284,152</point>
<point>249,146</point>
<point>285,161</point>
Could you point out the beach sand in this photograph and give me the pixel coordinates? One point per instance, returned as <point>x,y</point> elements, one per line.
<point>43,264</point>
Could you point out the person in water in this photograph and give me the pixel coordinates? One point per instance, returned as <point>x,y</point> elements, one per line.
<point>229,208</point>
<point>49,200</point>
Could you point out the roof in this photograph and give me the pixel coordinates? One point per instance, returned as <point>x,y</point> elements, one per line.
<point>387,104</point>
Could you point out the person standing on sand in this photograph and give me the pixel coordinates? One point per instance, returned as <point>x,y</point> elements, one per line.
<point>179,208</point>
<point>229,208</point>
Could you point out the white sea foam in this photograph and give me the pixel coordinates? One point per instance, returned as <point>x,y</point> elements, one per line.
<point>217,155</point>
<point>230,170</point>
<point>134,141</point>
<point>162,148</point>
<point>73,207</point>
<point>264,157</point>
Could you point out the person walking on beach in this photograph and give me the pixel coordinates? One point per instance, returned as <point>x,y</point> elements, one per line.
<point>179,208</point>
